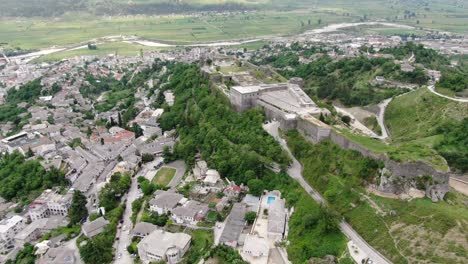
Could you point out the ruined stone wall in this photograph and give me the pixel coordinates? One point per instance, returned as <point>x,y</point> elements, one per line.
<point>400,175</point>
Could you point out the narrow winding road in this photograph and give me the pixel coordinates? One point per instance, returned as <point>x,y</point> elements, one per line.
<point>295,171</point>
<point>124,234</point>
<point>431,88</point>
<point>381,117</point>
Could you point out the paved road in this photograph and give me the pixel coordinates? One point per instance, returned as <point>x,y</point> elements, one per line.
<point>381,117</point>
<point>180,167</point>
<point>295,171</point>
<point>431,88</point>
<point>125,235</point>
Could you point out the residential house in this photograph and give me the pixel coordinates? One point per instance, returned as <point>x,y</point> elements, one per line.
<point>163,246</point>
<point>164,201</point>
<point>143,229</point>
<point>31,232</point>
<point>276,219</point>
<point>8,229</point>
<point>233,226</point>
<point>61,255</point>
<point>256,247</point>
<point>212,177</point>
<point>191,212</point>
<point>91,229</point>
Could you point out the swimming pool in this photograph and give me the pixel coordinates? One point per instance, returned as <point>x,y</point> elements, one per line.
<point>270,198</point>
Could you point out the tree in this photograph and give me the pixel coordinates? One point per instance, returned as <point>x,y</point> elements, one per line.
<point>89,132</point>
<point>250,217</point>
<point>119,119</point>
<point>147,157</point>
<point>167,154</point>
<point>255,187</point>
<point>78,211</point>
<point>322,118</point>
<point>30,153</point>
<point>137,130</point>
<point>346,119</point>
<point>111,122</point>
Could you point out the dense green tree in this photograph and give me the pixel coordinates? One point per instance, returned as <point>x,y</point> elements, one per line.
<point>78,211</point>
<point>250,217</point>
<point>18,177</point>
<point>255,187</point>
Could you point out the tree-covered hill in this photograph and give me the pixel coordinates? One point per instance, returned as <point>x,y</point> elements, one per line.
<point>22,179</point>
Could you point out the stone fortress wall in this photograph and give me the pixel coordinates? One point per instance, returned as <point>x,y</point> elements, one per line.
<point>397,178</point>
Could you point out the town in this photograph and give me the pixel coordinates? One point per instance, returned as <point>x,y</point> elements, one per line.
<point>115,186</point>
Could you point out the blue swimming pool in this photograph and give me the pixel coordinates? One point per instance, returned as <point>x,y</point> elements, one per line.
<point>270,198</point>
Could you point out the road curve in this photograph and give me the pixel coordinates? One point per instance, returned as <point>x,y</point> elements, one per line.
<point>432,89</point>
<point>295,171</point>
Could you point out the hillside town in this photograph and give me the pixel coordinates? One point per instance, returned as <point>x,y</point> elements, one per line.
<point>98,120</point>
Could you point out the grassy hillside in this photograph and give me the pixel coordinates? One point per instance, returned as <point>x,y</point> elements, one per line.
<point>425,119</point>
<point>416,231</point>
<point>418,114</point>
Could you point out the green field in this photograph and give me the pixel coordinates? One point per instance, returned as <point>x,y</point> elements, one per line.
<point>63,24</point>
<point>119,48</point>
<point>164,176</point>
<point>40,33</point>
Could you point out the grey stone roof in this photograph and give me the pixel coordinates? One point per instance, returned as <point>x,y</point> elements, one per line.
<point>94,225</point>
<point>144,228</point>
<point>234,223</point>
<point>276,216</point>
<point>166,199</point>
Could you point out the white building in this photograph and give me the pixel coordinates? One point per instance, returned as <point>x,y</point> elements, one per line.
<point>8,230</point>
<point>212,177</point>
<point>49,203</point>
<point>161,245</point>
<point>255,248</point>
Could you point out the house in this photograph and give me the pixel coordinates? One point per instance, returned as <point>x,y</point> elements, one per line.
<point>233,226</point>
<point>232,190</point>
<point>212,177</point>
<point>252,202</point>
<point>91,229</point>
<point>276,219</point>
<point>143,229</point>
<point>200,169</point>
<point>191,212</point>
<point>49,203</point>
<point>8,229</point>
<point>61,255</point>
<point>165,246</point>
<point>256,247</point>
<point>169,97</point>
<point>164,201</point>
<point>222,204</point>
<point>31,232</point>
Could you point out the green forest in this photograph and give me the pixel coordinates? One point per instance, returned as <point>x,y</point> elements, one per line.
<point>454,145</point>
<point>348,80</point>
<point>235,144</point>
<point>23,180</point>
